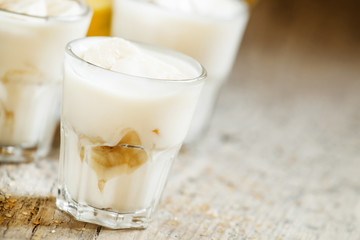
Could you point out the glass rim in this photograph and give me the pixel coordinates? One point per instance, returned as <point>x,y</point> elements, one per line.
<point>244,10</point>
<point>167,51</point>
<point>86,11</point>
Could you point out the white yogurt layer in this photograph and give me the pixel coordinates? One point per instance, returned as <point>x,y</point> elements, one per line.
<point>122,56</point>
<point>110,103</point>
<point>43,8</point>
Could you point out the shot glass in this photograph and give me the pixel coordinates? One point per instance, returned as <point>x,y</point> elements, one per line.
<point>31,55</point>
<point>209,31</point>
<point>120,134</point>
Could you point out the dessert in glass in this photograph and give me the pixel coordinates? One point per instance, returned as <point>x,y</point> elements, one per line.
<point>33,35</point>
<point>126,109</point>
<point>208,30</point>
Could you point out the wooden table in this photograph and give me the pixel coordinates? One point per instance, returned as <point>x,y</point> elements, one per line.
<point>281,160</point>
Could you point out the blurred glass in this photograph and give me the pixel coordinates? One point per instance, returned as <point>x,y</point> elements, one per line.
<point>101,20</point>
<point>209,31</point>
<point>31,54</point>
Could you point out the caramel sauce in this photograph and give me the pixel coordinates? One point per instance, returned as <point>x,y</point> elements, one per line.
<point>8,118</point>
<point>108,161</point>
<point>12,82</point>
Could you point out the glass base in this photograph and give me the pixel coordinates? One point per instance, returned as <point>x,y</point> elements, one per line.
<point>16,154</point>
<point>108,218</point>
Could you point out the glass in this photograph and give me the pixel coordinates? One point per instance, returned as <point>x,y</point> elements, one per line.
<point>212,38</point>
<point>101,19</point>
<point>31,54</point>
<point>119,136</point>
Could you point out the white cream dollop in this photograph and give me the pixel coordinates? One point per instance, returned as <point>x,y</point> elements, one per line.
<point>210,8</point>
<point>43,8</point>
<point>122,56</point>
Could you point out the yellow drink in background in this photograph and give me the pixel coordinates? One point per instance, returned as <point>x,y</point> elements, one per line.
<point>251,2</point>
<point>101,20</point>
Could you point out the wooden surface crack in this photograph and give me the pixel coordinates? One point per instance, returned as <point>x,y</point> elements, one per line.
<point>34,230</point>
<point>97,233</point>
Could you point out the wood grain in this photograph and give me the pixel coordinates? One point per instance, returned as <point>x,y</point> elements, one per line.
<point>281,160</point>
